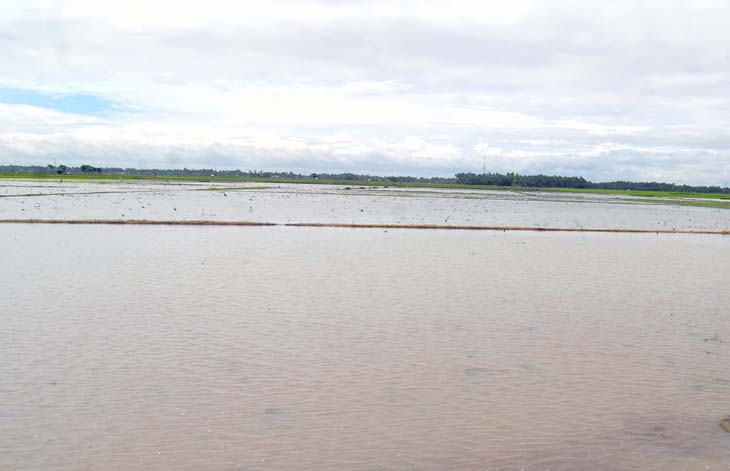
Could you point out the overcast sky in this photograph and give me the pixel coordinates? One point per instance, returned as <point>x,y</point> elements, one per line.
<point>603,89</point>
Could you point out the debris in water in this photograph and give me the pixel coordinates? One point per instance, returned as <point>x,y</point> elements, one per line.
<point>476,371</point>
<point>726,424</point>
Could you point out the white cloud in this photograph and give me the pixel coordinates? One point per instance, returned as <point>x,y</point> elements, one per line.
<point>484,149</point>
<point>605,89</point>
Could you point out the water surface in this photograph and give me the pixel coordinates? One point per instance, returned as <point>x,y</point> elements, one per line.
<point>287,203</point>
<point>188,348</point>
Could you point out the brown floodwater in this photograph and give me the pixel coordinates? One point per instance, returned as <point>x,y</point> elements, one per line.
<point>280,348</point>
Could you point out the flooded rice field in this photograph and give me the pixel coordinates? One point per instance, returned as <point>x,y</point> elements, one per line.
<point>282,203</point>
<point>282,348</point>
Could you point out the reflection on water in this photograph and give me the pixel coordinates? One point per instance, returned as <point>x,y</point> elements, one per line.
<point>187,348</point>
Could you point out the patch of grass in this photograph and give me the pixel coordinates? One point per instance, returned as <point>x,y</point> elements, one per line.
<point>679,202</point>
<point>644,193</point>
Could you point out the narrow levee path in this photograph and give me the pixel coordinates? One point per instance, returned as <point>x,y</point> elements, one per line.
<point>359,226</point>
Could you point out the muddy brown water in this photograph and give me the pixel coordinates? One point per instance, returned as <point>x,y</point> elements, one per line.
<point>283,348</point>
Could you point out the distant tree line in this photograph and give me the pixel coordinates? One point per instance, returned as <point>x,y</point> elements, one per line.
<point>497,179</point>
<point>554,181</point>
<point>89,169</point>
<point>658,186</point>
<point>514,179</point>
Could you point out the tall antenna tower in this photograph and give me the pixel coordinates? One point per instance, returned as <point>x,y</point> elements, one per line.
<point>484,168</point>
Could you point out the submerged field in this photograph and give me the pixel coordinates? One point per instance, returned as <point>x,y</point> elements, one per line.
<point>112,178</point>
<point>322,204</point>
<point>299,348</point>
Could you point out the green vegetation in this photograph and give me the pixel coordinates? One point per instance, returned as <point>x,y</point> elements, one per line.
<point>555,181</point>
<point>644,193</point>
<point>658,192</point>
<point>89,169</point>
<point>108,178</point>
<point>679,202</point>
